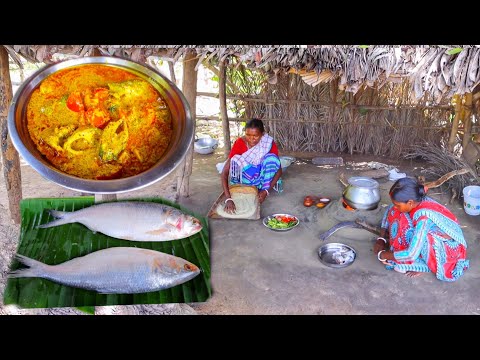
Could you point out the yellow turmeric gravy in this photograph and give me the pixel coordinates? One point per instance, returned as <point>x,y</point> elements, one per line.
<point>99,122</point>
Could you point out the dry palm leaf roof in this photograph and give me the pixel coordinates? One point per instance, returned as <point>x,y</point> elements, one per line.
<point>439,70</point>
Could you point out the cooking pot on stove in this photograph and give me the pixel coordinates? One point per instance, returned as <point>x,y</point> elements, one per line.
<point>362,193</point>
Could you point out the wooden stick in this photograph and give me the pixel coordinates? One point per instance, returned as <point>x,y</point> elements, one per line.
<point>172,72</point>
<point>467,120</point>
<point>342,179</point>
<point>189,88</point>
<point>398,126</point>
<point>447,176</point>
<point>10,158</point>
<point>328,103</point>
<point>454,195</point>
<point>223,108</point>
<point>372,228</point>
<point>456,120</point>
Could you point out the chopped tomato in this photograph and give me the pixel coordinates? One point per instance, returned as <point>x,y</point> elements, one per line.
<point>285,219</point>
<point>75,102</point>
<point>101,94</point>
<point>97,117</point>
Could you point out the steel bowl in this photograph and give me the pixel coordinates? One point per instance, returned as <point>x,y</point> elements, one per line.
<point>205,145</point>
<point>266,218</point>
<point>182,135</point>
<point>331,255</point>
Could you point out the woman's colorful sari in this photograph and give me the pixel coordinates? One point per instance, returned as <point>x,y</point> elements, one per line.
<point>426,239</point>
<point>256,166</point>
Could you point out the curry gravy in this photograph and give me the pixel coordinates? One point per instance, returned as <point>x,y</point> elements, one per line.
<point>99,122</point>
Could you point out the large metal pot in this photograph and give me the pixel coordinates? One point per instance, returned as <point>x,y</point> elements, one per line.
<point>181,138</point>
<point>362,193</point>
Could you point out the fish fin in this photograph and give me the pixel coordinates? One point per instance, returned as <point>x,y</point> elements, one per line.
<point>61,216</point>
<point>33,271</point>
<point>58,214</point>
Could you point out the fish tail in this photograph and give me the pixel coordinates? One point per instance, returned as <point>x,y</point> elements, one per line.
<point>34,270</point>
<point>61,217</point>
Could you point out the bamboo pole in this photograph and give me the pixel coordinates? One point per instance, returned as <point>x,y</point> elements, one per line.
<point>329,103</point>
<point>10,158</point>
<point>333,91</point>
<point>370,102</point>
<point>302,120</point>
<point>189,89</point>
<point>222,91</point>
<point>467,120</point>
<point>172,72</point>
<point>453,133</point>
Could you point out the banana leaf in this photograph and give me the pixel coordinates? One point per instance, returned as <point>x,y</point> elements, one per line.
<point>58,244</point>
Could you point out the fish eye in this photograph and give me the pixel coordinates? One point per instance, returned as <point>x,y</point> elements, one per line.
<point>187,267</point>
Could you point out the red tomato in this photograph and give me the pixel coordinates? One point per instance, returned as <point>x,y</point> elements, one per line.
<point>75,102</point>
<point>101,94</point>
<point>285,219</point>
<point>97,117</point>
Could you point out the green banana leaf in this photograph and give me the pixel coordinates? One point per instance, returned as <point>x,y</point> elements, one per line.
<point>58,244</point>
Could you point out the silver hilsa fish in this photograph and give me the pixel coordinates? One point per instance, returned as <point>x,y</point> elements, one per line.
<point>118,270</point>
<point>131,220</point>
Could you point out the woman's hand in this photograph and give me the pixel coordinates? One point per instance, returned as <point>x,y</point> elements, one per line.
<point>384,233</point>
<point>230,207</point>
<point>262,195</point>
<point>385,255</point>
<point>379,245</point>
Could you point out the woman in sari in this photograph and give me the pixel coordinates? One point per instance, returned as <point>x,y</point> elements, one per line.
<point>253,161</point>
<point>424,236</point>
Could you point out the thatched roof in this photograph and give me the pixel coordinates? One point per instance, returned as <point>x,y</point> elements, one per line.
<point>440,70</point>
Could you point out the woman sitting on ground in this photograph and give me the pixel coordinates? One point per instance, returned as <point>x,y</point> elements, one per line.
<point>253,161</point>
<point>424,236</point>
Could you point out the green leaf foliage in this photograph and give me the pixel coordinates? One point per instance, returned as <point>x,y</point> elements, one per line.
<point>454,51</point>
<point>58,244</point>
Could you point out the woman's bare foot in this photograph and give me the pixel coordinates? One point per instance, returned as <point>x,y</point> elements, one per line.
<point>413,274</point>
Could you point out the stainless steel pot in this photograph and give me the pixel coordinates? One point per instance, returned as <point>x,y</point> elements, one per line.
<point>362,193</point>
<point>182,135</point>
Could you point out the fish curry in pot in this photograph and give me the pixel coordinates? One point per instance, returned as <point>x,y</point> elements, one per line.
<point>99,122</point>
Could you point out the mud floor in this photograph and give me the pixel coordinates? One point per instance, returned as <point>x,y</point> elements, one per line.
<point>259,271</point>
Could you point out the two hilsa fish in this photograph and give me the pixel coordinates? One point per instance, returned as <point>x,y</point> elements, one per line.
<point>122,269</point>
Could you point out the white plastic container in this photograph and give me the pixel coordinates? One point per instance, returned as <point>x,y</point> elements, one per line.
<point>471,200</point>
